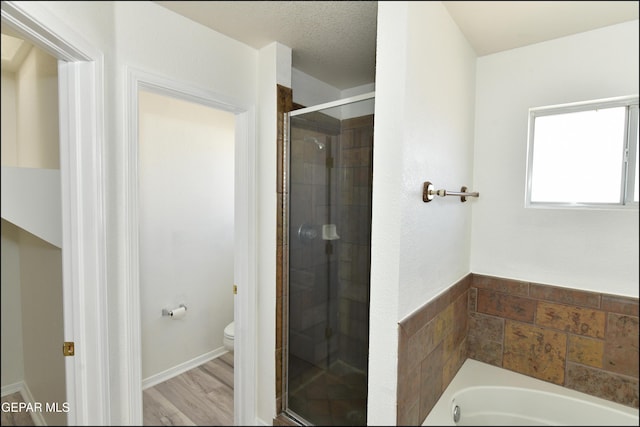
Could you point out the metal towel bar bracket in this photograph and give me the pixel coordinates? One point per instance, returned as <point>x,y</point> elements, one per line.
<point>429,193</point>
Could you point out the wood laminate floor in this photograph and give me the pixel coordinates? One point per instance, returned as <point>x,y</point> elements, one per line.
<point>202,396</point>
<point>15,418</point>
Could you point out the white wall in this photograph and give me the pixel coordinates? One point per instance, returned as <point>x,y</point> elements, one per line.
<point>37,102</point>
<point>148,37</point>
<point>309,91</point>
<point>42,323</point>
<point>9,131</point>
<point>12,353</point>
<point>274,65</point>
<point>186,162</point>
<point>12,364</point>
<point>592,250</point>
<point>424,131</point>
<point>30,150</point>
<point>32,316</point>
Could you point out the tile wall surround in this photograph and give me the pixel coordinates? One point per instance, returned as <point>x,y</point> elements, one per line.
<point>585,341</point>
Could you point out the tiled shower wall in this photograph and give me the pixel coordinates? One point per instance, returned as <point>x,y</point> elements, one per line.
<point>355,179</point>
<point>581,340</point>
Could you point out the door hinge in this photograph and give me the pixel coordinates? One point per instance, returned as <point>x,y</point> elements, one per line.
<point>235,289</point>
<point>328,249</point>
<point>329,162</point>
<point>68,348</point>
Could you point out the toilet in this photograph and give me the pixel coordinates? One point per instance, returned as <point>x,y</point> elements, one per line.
<point>228,337</point>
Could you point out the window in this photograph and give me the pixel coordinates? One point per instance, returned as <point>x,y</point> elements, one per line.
<point>584,155</point>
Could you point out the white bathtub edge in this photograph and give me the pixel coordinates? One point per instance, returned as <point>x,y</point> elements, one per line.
<point>474,373</point>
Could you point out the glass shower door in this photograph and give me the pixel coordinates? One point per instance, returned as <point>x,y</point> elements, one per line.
<point>329,163</point>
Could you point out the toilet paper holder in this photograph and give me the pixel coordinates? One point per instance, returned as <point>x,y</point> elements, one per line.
<point>167,312</point>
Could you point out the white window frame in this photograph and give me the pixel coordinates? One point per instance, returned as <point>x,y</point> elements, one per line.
<point>628,157</point>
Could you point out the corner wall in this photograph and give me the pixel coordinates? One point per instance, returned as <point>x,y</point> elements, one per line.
<point>423,131</point>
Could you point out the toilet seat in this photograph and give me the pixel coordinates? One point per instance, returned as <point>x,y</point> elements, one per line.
<point>229,332</point>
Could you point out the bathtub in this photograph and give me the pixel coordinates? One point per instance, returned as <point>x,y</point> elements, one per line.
<point>487,395</point>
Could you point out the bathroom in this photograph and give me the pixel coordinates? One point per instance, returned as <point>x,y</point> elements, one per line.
<point>453,119</point>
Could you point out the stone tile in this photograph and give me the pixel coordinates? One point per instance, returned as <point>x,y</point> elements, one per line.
<point>425,340</point>
<point>534,351</point>
<point>621,345</point>
<point>460,319</point>
<point>489,328</point>
<point>404,362</point>
<point>565,295</point>
<point>348,412</point>
<point>587,351</point>
<point>472,300</point>
<point>436,306</point>
<point>581,321</point>
<point>409,396</point>
<point>409,416</point>
<point>430,381</point>
<point>513,287</point>
<point>507,306</point>
<point>416,347</point>
<point>621,305</point>
<point>419,318</point>
<point>483,350</point>
<point>613,387</point>
<point>443,324</point>
<point>453,362</point>
<point>460,287</point>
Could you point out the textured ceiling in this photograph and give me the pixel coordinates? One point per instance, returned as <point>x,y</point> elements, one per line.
<point>494,26</point>
<point>335,41</point>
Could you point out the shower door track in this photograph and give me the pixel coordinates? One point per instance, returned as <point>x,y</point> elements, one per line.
<point>331,104</point>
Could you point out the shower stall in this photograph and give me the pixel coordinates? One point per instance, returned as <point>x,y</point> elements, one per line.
<point>328,153</point>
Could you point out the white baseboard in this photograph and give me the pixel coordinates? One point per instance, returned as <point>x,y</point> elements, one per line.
<point>37,417</point>
<point>181,368</point>
<point>11,388</point>
<point>22,388</point>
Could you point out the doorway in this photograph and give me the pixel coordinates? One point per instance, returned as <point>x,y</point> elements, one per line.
<point>33,367</point>
<point>80,229</point>
<point>244,233</point>
<point>186,251</point>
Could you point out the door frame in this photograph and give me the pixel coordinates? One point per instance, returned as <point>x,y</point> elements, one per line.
<point>80,83</point>
<point>245,230</point>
